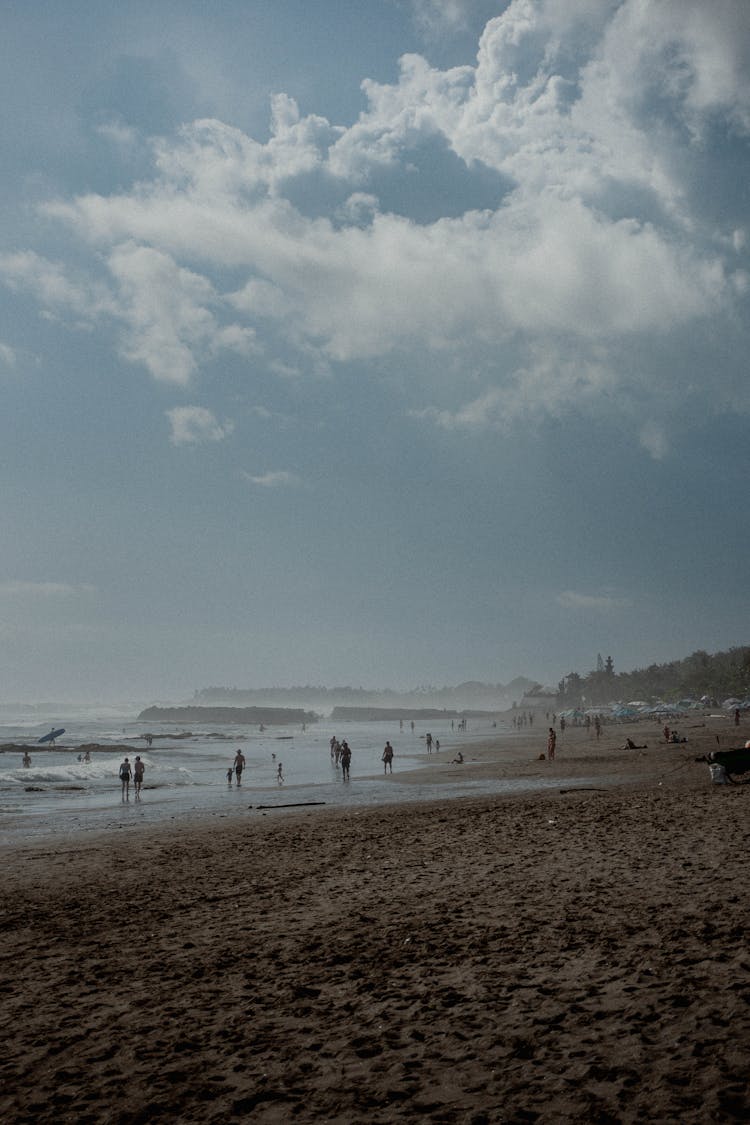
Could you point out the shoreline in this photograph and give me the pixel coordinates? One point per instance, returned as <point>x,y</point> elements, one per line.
<point>573,954</point>
<point>559,957</point>
<point>505,763</point>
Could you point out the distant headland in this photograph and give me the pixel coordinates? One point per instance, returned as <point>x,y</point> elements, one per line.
<point>253,716</point>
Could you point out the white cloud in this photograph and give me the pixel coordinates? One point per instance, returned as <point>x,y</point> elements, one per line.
<point>7,355</point>
<point>653,438</point>
<point>551,383</point>
<point>52,285</point>
<point>165,308</point>
<point>279,478</point>
<point>195,425</point>
<point>438,18</point>
<point>119,134</point>
<point>603,603</point>
<point>590,113</point>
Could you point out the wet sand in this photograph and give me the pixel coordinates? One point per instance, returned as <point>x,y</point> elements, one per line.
<point>578,955</point>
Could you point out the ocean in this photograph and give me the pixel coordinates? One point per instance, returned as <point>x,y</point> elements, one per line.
<point>187,776</point>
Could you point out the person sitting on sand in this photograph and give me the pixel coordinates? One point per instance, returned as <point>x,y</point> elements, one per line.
<point>387,758</point>
<point>239,765</point>
<point>458,760</point>
<point>630,745</point>
<point>138,771</point>
<point>125,773</point>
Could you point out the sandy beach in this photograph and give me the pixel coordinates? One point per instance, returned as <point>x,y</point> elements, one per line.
<point>577,955</point>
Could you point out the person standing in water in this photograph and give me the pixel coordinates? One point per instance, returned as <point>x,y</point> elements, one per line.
<point>239,765</point>
<point>346,758</point>
<point>138,771</point>
<point>126,771</point>
<point>387,758</point>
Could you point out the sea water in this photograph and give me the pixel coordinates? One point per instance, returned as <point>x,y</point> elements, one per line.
<point>186,775</point>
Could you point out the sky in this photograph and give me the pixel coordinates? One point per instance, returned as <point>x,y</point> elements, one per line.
<point>383,343</point>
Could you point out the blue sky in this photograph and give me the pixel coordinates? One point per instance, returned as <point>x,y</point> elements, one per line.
<point>383,343</point>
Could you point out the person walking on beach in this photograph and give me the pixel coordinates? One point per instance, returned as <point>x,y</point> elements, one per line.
<point>230,772</point>
<point>138,771</point>
<point>280,774</point>
<point>346,759</point>
<point>387,758</point>
<point>239,765</point>
<point>551,743</point>
<point>125,774</point>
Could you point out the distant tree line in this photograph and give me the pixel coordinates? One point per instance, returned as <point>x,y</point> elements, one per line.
<point>461,696</point>
<point>718,675</point>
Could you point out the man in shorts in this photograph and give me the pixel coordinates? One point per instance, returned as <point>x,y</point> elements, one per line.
<point>239,765</point>
<point>138,771</point>
<point>126,771</point>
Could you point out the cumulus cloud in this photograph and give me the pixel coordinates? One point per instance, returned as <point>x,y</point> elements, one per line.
<point>195,425</point>
<point>593,116</point>
<point>54,286</point>
<point>165,307</point>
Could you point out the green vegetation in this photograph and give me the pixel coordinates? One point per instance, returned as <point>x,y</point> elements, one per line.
<point>718,676</point>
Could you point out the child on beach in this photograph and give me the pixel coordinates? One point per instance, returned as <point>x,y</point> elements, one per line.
<point>230,771</point>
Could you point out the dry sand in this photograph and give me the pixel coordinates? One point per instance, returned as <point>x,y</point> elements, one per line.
<point>574,956</point>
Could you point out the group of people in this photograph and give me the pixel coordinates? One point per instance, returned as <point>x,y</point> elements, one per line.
<point>341,755</point>
<point>238,765</point>
<point>134,772</point>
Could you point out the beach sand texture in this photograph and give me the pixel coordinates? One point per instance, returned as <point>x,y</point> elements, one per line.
<point>571,956</point>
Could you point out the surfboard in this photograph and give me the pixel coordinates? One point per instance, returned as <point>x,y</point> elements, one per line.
<point>53,734</point>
